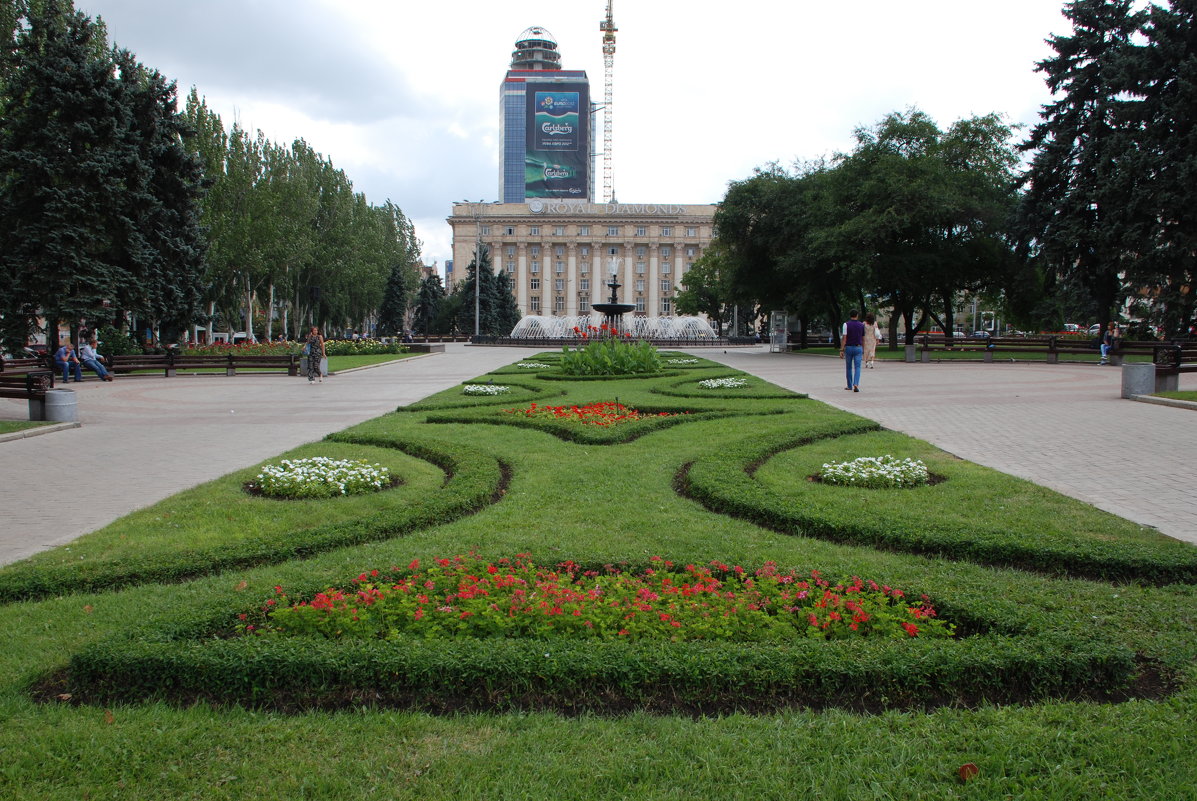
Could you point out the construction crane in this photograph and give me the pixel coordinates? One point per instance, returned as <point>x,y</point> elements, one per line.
<point>608,28</point>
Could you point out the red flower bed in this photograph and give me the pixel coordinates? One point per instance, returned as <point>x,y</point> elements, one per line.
<point>601,413</point>
<point>515,598</point>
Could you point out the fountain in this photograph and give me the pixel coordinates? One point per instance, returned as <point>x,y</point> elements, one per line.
<point>612,315</point>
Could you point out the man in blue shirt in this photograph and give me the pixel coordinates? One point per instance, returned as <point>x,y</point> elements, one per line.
<point>66,360</point>
<point>852,349</point>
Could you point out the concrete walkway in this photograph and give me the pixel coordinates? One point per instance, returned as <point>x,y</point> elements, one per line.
<point>146,438</point>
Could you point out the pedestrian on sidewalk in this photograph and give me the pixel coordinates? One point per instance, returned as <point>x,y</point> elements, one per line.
<point>314,349</point>
<point>872,334</point>
<point>852,349</point>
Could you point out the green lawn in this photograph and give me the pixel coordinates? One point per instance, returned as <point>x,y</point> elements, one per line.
<point>1186,395</point>
<point>728,484</point>
<point>12,426</point>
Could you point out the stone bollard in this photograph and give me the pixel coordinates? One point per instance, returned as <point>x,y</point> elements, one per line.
<point>1138,378</point>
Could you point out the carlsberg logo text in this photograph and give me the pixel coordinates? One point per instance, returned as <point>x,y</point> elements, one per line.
<point>557,129</point>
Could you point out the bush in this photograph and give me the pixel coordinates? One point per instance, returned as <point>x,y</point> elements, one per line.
<point>610,356</point>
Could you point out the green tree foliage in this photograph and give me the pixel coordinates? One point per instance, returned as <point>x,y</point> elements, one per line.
<point>913,216</point>
<point>97,195</point>
<point>428,317</point>
<point>495,305</point>
<point>704,289</point>
<point>1074,214</point>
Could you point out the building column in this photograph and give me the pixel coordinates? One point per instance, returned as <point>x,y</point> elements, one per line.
<point>521,278</point>
<point>571,279</point>
<point>653,285</point>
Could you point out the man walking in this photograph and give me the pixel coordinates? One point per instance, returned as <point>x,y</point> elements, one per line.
<point>852,349</point>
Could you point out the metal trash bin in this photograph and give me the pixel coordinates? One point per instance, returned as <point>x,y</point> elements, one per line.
<point>1138,378</point>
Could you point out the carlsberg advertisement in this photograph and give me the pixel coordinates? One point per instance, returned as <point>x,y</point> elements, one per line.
<point>558,149</point>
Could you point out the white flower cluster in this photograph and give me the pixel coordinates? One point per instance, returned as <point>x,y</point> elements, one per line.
<point>876,472</point>
<point>723,383</point>
<point>485,389</point>
<point>321,477</point>
<point>681,361</point>
<point>534,365</point>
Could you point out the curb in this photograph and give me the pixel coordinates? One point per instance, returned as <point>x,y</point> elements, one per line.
<point>1173,402</point>
<point>39,430</point>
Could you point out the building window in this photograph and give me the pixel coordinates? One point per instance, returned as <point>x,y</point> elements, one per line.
<point>511,266</point>
<point>691,232</point>
<point>666,266</point>
<point>534,230</point>
<point>584,230</point>
<point>583,303</point>
<point>666,285</point>
<point>666,306</point>
<point>640,268</point>
<point>534,303</point>
<point>510,250</point>
<point>690,253</point>
<point>666,232</point>
<point>639,284</point>
<point>559,250</point>
<point>640,230</point>
<point>559,266</point>
<point>612,251</point>
<point>559,285</point>
<point>584,285</point>
<point>558,304</point>
<point>534,250</point>
<point>535,282</point>
<point>534,266</point>
<point>585,250</point>
<point>559,230</point>
<point>666,252</point>
<point>510,230</point>
<point>486,230</point>
<point>585,268</point>
<point>612,230</point>
<point>640,305</point>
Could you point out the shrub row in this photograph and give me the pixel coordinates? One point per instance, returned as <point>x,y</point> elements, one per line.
<point>506,674</point>
<point>725,485</point>
<point>473,480</point>
<point>454,399</point>
<point>689,388</point>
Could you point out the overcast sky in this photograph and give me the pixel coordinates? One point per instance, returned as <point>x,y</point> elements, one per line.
<point>404,96</point>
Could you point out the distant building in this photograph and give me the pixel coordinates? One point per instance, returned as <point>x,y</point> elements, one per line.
<point>544,131</point>
<point>556,244</point>
<point>559,254</point>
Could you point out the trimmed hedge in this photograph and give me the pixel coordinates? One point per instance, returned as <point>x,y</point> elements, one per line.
<point>473,480</point>
<point>725,485</point>
<point>766,391</point>
<point>600,676</point>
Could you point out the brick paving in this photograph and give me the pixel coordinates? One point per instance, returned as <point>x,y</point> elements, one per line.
<point>146,438</point>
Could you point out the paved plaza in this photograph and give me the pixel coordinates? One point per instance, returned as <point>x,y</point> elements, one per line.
<point>143,439</point>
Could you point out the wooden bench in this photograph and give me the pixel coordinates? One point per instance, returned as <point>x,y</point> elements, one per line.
<point>1051,347</point>
<point>171,362</point>
<point>1170,361</point>
<point>30,385</point>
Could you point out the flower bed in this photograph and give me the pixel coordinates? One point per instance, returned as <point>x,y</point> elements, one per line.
<point>485,389</point>
<point>610,356</point>
<point>320,477</point>
<point>600,413</point>
<point>723,383</point>
<point>681,361</point>
<point>465,597</point>
<point>533,365</point>
<point>876,472</point>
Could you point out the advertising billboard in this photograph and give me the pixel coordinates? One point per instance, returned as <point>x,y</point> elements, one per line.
<point>557,160</point>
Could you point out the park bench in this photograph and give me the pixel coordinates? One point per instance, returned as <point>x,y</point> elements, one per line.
<point>171,362</point>
<point>30,385</point>
<point>1170,361</point>
<point>1051,347</point>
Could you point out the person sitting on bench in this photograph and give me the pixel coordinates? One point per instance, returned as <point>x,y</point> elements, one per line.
<point>66,360</point>
<point>94,361</point>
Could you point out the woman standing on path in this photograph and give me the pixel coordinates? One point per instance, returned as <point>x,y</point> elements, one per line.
<point>315,352</point>
<point>871,334</point>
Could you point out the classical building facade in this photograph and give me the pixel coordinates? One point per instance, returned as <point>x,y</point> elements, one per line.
<point>560,254</point>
